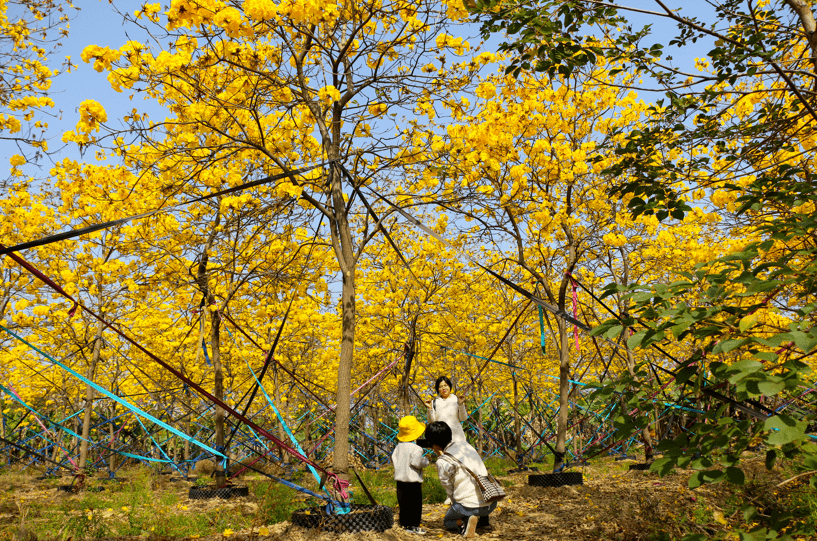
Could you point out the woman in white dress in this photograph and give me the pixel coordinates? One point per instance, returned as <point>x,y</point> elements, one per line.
<point>448,408</point>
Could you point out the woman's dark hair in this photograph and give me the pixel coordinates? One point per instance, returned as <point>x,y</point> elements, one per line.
<point>438,433</point>
<point>440,380</point>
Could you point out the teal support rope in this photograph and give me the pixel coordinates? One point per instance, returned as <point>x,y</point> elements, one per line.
<point>115,398</point>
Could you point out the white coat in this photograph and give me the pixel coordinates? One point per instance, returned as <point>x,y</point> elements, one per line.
<point>451,412</point>
<point>458,483</point>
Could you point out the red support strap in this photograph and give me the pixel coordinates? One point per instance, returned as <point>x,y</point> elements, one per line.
<point>339,484</point>
<point>53,285</point>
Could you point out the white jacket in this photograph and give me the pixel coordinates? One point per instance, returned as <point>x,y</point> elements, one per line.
<point>458,483</point>
<point>451,412</point>
<point>408,462</point>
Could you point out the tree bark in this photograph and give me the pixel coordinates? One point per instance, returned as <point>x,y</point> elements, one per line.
<point>645,432</point>
<point>215,345</point>
<point>89,400</point>
<point>280,406</point>
<point>564,393</point>
<point>343,398</point>
<point>806,16</point>
<point>3,434</point>
<point>218,391</point>
<point>517,424</point>
<point>111,434</point>
<point>481,432</point>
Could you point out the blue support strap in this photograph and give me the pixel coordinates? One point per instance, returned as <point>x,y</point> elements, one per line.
<point>113,397</point>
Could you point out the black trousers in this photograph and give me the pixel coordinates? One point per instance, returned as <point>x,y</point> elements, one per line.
<point>410,501</point>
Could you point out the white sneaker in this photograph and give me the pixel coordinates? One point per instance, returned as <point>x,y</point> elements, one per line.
<point>417,530</point>
<point>447,501</point>
<point>470,528</point>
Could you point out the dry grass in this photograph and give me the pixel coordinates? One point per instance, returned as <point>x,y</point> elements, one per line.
<point>612,504</point>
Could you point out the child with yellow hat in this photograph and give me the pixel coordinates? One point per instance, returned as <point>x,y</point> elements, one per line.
<point>409,462</point>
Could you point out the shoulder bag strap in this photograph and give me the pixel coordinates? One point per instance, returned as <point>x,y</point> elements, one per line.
<point>452,457</point>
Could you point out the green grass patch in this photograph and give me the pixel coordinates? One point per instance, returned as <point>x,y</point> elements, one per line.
<point>381,485</point>
<point>499,465</point>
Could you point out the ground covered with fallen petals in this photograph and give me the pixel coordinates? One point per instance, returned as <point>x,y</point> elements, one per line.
<point>613,503</point>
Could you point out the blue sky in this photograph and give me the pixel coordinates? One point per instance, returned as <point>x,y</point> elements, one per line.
<point>98,23</point>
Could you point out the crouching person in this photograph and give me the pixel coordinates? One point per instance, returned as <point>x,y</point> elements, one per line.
<point>468,510</point>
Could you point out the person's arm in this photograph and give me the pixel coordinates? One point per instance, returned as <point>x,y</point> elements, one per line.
<point>446,472</point>
<point>462,414</point>
<point>418,461</point>
<point>432,413</point>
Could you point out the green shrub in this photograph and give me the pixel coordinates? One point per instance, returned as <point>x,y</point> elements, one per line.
<point>276,502</point>
<point>86,524</point>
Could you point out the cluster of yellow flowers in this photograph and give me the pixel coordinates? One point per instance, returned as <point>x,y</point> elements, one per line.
<point>457,44</point>
<point>91,115</point>
<point>260,10</point>
<point>328,94</point>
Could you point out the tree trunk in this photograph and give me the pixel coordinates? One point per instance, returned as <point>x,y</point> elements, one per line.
<point>218,392</point>
<point>481,439</point>
<point>499,429</point>
<point>187,442</point>
<point>564,393</point>
<point>409,350</point>
<point>645,432</point>
<point>111,433</point>
<point>803,10</point>
<point>57,439</point>
<point>307,435</point>
<point>3,433</point>
<point>280,406</point>
<point>577,441</point>
<point>517,424</point>
<point>89,400</point>
<point>215,344</point>
<point>343,410</point>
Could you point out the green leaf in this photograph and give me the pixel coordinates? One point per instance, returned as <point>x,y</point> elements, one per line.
<point>771,458</point>
<point>784,429</point>
<point>613,332</point>
<point>662,466</point>
<point>742,369</point>
<point>770,388</point>
<point>707,476</point>
<point>685,374</point>
<point>775,340</point>
<point>700,463</point>
<point>635,340</point>
<point>728,345</point>
<point>805,342</point>
<point>747,322</point>
<point>681,326</point>
<point>767,356</point>
<point>735,475</point>
<point>644,296</point>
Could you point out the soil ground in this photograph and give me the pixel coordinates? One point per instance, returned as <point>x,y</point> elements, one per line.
<point>613,503</point>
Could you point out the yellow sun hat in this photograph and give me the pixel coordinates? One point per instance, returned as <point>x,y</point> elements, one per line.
<point>410,428</point>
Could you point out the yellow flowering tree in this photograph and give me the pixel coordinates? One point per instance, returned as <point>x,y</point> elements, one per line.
<point>29,31</point>
<point>530,155</point>
<point>736,131</point>
<point>276,86</point>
